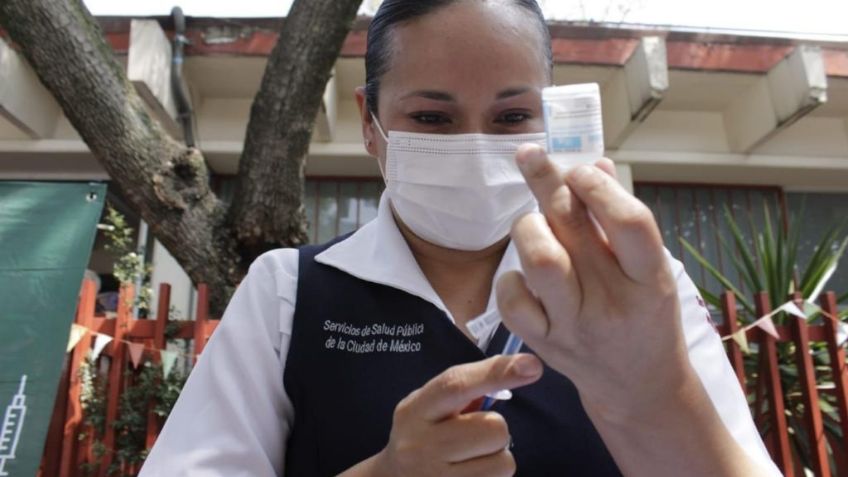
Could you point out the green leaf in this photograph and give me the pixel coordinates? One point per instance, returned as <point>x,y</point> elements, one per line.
<point>782,275</point>
<point>820,255</point>
<point>765,239</point>
<point>742,247</point>
<point>816,271</point>
<point>737,264</point>
<point>710,298</point>
<point>725,282</point>
<point>792,252</point>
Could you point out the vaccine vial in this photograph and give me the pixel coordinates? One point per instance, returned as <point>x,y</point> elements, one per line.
<point>573,124</point>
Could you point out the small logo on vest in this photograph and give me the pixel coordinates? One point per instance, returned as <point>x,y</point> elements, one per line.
<point>374,337</point>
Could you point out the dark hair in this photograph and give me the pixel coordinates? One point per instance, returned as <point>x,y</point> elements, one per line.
<point>394,12</point>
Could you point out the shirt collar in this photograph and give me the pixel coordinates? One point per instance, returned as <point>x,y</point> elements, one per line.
<point>378,253</point>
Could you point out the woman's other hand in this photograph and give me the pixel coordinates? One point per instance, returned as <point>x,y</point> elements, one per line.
<point>432,435</point>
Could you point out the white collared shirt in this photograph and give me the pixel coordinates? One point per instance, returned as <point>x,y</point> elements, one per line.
<point>234,417</point>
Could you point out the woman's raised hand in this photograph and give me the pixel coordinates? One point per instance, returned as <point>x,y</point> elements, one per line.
<point>596,299</point>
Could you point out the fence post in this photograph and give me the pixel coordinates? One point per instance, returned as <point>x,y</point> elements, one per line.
<point>809,393</point>
<point>162,311</point>
<point>200,319</point>
<point>837,364</point>
<point>116,371</point>
<point>85,317</point>
<point>774,391</point>
<point>52,455</point>
<point>728,309</point>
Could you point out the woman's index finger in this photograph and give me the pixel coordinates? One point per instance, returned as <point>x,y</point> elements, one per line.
<point>450,392</point>
<point>542,176</point>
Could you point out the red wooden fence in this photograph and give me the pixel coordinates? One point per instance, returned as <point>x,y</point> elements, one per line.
<point>64,452</point>
<point>769,408</point>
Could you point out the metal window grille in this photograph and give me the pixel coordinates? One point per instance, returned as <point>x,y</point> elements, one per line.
<point>696,212</point>
<point>336,206</point>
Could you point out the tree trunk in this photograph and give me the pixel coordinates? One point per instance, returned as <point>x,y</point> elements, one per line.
<point>167,182</point>
<point>163,180</point>
<point>268,203</point>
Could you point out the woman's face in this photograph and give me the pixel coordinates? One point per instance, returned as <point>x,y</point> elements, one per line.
<point>470,67</point>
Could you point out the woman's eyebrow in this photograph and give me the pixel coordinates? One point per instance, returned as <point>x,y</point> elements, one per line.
<point>431,94</point>
<point>445,96</point>
<point>510,92</point>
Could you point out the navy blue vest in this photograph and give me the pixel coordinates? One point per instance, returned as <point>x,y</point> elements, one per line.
<point>358,348</point>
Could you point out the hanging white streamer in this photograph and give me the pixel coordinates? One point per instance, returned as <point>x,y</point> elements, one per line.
<point>168,360</point>
<point>77,332</point>
<point>841,333</point>
<point>791,308</point>
<point>99,343</point>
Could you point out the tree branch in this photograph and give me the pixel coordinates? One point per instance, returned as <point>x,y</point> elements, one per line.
<point>267,211</point>
<point>165,181</point>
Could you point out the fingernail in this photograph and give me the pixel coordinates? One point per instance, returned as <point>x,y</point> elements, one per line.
<point>527,366</point>
<point>530,155</point>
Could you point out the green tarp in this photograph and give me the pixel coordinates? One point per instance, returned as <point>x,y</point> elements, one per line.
<point>46,234</point>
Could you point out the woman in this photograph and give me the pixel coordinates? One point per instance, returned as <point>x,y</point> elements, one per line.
<point>355,357</point>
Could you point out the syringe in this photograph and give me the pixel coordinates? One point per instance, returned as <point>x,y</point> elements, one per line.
<point>512,346</point>
<point>13,423</point>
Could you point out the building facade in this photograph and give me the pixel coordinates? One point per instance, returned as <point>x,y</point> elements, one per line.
<point>695,121</point>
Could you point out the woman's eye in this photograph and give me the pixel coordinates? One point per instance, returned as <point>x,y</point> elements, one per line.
<point>430,118</point>
<point>513,117</point>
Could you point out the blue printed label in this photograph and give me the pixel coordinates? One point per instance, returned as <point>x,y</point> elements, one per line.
<point>566,144</point>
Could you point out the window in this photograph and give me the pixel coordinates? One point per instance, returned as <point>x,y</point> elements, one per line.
<point>817,213</point>
<point>336,207</point>
<point>696,213</point>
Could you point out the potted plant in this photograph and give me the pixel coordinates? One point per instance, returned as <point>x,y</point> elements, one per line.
<point>769,262</point>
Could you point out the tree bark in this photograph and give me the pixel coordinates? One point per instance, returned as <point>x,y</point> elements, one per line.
<point>163,180</point>
<point>268,203</point>
<point>167,182</point>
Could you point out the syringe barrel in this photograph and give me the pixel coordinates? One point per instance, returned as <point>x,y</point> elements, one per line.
<point>10,431</point>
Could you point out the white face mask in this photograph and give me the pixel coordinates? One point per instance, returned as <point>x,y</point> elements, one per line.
<point>460,191</point>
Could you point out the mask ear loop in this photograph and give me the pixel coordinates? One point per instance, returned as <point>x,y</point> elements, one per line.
<point>379,126</point>
<point>385,138</point>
